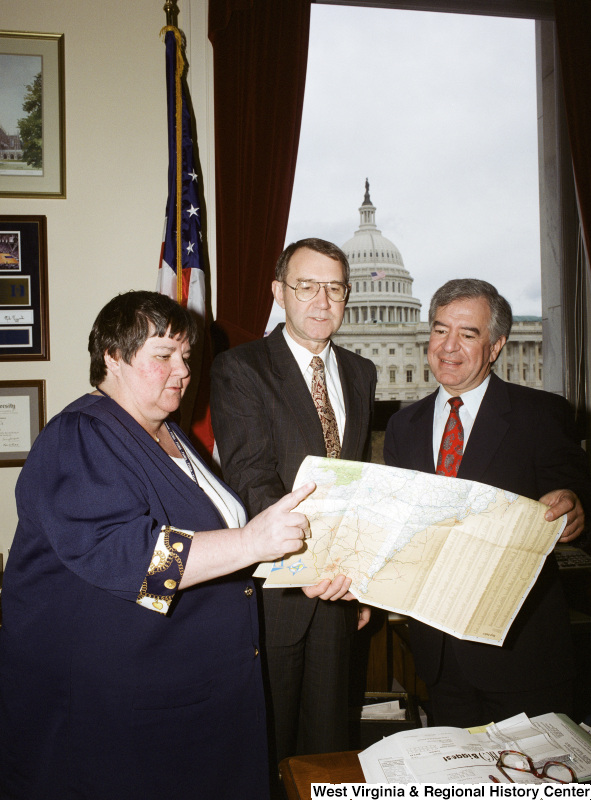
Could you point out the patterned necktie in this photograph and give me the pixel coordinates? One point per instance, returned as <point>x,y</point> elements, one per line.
<point>452,441</point>
<point>325,410</point>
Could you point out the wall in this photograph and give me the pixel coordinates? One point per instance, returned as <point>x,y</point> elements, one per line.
<point>105,237</point>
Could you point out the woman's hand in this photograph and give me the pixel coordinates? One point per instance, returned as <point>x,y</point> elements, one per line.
<point>268,537</point>
<point>278,529</point>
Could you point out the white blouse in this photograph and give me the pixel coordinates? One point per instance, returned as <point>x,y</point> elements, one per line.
<point>230,509</point>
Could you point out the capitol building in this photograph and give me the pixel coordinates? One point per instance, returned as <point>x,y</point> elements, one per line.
<point>382,320</point>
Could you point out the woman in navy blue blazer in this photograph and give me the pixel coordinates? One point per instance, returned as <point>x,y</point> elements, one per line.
<point>129,660</point>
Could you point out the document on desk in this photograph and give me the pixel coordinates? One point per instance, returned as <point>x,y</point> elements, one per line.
<point>458,555</point>
<point>454,755</point>
<point>431,755</point>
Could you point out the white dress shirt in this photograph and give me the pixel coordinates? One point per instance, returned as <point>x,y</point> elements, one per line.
<point>331,370</point>
<point>468,411</point>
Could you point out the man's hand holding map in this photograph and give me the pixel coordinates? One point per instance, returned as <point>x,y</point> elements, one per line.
<point>458,555</point>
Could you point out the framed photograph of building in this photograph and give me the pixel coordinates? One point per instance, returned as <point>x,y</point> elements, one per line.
<point>32,115</point>
<point>22,417</point>
<point>24,315</point>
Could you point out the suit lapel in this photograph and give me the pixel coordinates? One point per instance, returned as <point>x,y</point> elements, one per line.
<point>490,427</point>
<point>353,409</point>
<point>420,452</point>
<point>177,477</point>
<point>296,395</point>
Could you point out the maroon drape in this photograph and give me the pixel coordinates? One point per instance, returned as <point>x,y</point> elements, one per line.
<point>260,56</point>
<point>573,28</point>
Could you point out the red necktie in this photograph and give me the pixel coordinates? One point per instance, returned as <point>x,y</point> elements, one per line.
<point>452,441</point>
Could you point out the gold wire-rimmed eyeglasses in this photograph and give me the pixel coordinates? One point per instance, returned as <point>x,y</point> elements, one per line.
<point>306,290</point>
<point>552,770</point>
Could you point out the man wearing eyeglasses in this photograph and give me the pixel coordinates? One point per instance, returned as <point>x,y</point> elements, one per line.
<point>275,401</point>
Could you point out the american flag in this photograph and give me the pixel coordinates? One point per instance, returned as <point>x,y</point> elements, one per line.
<point>182,207</point>
<point>379,274</point>
<point>187,283</point>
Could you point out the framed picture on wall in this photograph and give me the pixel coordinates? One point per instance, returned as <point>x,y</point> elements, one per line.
<point>22,417</point>
<point>24,316</point>
<point>32,115</point>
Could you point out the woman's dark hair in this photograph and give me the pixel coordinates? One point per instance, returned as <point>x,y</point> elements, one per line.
<point>128,320</point>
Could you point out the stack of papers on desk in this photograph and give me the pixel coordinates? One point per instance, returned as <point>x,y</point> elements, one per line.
<point>389,710</point>
<point>455,755</point>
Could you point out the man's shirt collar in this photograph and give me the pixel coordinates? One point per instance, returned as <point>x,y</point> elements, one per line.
<point>303,356</point>
<point>471,399</point>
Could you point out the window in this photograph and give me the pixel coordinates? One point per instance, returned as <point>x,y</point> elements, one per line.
<point>374,351</point>
<point>392,376</point>
<point>384,205</point>
<point>409,375</point>
<point>392,351</point>
<point>358,351</point>
<point>426,376</point>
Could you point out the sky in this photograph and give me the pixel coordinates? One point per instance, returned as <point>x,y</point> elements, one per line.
<point>438,112</point>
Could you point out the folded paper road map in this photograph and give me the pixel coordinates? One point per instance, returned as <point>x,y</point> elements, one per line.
<point>456,554</point>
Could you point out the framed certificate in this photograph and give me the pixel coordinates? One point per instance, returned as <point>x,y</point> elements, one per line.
<point>24,321</point>
<point>22,416</point>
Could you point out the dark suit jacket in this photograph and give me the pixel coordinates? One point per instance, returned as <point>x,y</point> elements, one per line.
<point>523,440</point>
<point>265,424</point>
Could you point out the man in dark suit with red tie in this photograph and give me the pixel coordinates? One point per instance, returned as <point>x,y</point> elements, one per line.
<point>274,401</point>
<point>479,427</point>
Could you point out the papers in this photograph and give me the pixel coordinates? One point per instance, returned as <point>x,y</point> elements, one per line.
<point>383,711</point>
<point>518,733</point>
<point>430,755</point>
<point>458,555</point>
<point>454,755</point>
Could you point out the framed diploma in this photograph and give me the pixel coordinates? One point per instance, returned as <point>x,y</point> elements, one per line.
<point>22,416</point>
<point>24,316</point>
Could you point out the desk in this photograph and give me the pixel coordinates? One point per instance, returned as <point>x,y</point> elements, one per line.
<point>299,772</point>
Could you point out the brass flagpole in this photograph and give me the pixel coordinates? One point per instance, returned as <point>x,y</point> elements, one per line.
<point>172,12</point>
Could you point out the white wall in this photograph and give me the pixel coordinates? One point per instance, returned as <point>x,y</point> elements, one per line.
<point>104,238</point>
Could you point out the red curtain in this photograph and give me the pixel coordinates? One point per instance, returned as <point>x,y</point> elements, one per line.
<point>260,56</point>
<point>573,28</point>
